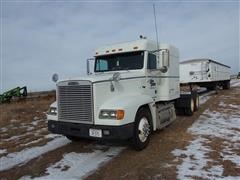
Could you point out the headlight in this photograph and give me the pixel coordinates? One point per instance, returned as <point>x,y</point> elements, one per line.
<point>111,114</point>
<point>52,111</point>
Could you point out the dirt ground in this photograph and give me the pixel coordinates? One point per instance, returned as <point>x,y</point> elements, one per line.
<point>23,125</point>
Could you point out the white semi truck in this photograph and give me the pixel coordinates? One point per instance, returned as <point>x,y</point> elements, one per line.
<point>133,91</point>
<point>205,73</point>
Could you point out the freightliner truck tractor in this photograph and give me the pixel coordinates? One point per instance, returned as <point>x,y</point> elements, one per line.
<point>133,91</point>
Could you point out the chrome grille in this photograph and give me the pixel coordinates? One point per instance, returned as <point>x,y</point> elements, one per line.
<point>75,102</point>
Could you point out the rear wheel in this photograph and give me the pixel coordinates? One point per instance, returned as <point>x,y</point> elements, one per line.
<point>190,109</point>
<point>142,129</point>
<point>196,103</point>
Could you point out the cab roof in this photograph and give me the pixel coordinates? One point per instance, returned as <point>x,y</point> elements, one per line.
<point>131,46</point>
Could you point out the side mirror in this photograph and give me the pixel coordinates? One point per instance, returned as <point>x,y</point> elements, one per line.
<point>89,65</point>
<point>55,77</point>
<point>165,60</point>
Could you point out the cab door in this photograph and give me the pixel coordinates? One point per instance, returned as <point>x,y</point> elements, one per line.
<point>152,75</point>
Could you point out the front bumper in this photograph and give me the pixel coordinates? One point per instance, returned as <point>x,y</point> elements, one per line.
<point>82,130</point>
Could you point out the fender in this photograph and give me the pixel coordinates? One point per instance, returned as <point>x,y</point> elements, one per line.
<point>130,104</point>
<point>52,117</point>
<point>54,104</point>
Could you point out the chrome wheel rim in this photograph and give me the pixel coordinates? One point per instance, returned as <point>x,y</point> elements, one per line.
<point>143,129</point>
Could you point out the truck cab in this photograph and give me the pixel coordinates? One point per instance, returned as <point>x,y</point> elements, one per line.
<point>130,94</point>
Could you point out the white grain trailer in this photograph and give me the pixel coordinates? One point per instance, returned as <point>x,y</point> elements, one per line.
<point>205,73</point>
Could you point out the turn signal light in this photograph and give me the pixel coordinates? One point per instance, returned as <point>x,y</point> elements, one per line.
<point>120,114</point>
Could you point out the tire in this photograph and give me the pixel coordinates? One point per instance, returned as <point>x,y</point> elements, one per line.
<point>226,85</point>
<point>189,110</point>
<point>142,129</point>
<point>73,138</point>
<point>196,103</point>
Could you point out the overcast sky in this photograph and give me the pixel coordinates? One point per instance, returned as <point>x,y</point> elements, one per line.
<point>40,38</point>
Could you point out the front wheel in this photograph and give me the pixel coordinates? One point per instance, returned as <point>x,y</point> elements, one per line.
<point>142,129</point>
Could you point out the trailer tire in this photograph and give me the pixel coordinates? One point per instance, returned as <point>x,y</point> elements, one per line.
<point>142,129</point>
<point>226,85</point>
<point>190,109</point>
<point>196,102</point>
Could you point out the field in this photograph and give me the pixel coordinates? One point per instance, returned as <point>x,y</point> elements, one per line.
<point>204,146</point>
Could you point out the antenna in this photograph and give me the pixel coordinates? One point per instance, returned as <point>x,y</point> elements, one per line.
<point>155,20</point>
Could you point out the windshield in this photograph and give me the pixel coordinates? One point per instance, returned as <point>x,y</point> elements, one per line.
<point>116,62</point>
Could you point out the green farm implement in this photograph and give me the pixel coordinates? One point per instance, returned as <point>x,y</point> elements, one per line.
<point>13,93</point>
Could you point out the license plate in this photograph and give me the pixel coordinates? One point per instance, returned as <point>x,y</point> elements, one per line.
<point>95,133</point>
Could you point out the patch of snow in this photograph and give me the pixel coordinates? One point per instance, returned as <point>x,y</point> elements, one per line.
<point>35,118</point>
<point>217,125</point>
<point>32,142</point>
<point>35,123</point>
<point>30,128</point>
<point>235,83</point>
<point>2,151</point>
<point>52,136</point>
<point>3,129</point>
<point>13,120</point>
<point>17,158</point>
<point>88,162</point>
<point>222,104</point>
<point>79,165</point>
<point>234,106</point>
<point>195,157</point>
<point>194,160</point>
<point>13,138</point>
<point>29,132</point>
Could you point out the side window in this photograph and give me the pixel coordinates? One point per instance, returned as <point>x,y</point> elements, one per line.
<point>102,65</point>
<point>152,61</point>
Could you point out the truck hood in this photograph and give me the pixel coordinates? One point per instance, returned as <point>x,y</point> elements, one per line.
<point>104,76</point>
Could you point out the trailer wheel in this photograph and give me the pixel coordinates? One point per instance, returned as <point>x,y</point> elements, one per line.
<point>226,85</point>
<point>142,129</point>
<point>196,103</point>
<point>190,109</point>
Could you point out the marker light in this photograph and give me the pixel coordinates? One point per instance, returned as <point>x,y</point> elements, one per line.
<point>120,114</point>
